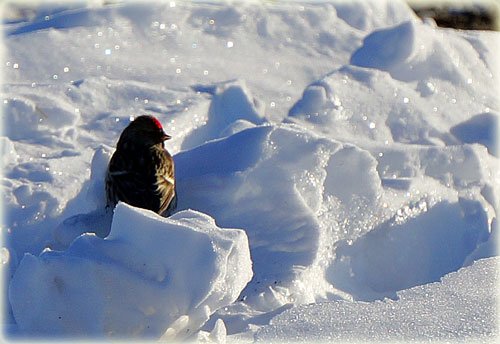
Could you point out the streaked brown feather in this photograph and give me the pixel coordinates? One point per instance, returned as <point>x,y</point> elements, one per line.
<point>141,171</point>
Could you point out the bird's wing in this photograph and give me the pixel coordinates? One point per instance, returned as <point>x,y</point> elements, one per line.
<point>165,181</point>
<point>131,185</point>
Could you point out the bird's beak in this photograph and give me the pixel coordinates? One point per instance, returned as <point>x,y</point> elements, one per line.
<point>165,137</point>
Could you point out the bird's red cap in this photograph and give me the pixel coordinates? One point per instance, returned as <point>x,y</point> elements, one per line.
<point>157,123</point>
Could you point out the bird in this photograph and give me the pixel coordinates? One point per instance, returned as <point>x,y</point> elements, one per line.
<point>141,171</point>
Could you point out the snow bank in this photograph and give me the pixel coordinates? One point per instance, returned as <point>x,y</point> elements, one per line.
<point>413,51</point>
<point>439,311</point>
<point>358,105</point>
<point>405,99</point>
<point>240,180</point>
<point>150,278</point>
<point>369,15</point>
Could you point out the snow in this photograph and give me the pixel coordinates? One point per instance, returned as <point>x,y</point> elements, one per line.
<point>173,273</point>
<point>336,166</point>
<point>444,311</point>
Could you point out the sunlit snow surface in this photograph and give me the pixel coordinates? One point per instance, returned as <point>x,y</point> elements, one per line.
<point>437,311</point>
<point>335,163</point>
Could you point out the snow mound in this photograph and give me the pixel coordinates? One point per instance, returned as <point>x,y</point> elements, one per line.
<point>382,48</point>
<point>437,311</point>
<point>414,51</point>
<point>480,129</point>
<point>364,105</point>
<point>368,15</point>
<point>240,179</point>
<point>151,277</point>
<point>231,102</point>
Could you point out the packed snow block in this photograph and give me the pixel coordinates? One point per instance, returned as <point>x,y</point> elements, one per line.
<point>486,249</point>
<point>461,166</point>
<point>371,101</point>
<point>97,222</point>
<point>152,277</point>
<point>343,105</point>
<point>352,175</point>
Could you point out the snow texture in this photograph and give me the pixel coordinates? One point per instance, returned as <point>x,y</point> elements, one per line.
<point>352,145</point>
<point>422,313</point>
<point>147,261</point>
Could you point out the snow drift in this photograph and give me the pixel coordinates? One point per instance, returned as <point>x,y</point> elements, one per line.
<point>138,282</point>
<point>420,314</point>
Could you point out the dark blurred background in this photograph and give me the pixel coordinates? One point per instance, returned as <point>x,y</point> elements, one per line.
<point>460,14</point>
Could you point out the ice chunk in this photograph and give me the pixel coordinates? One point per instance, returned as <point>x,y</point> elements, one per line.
<point>151,277</point>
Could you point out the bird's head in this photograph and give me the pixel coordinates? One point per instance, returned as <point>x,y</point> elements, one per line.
<point>144,130</point>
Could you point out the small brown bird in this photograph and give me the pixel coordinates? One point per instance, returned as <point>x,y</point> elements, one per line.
<point>141,171</point>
